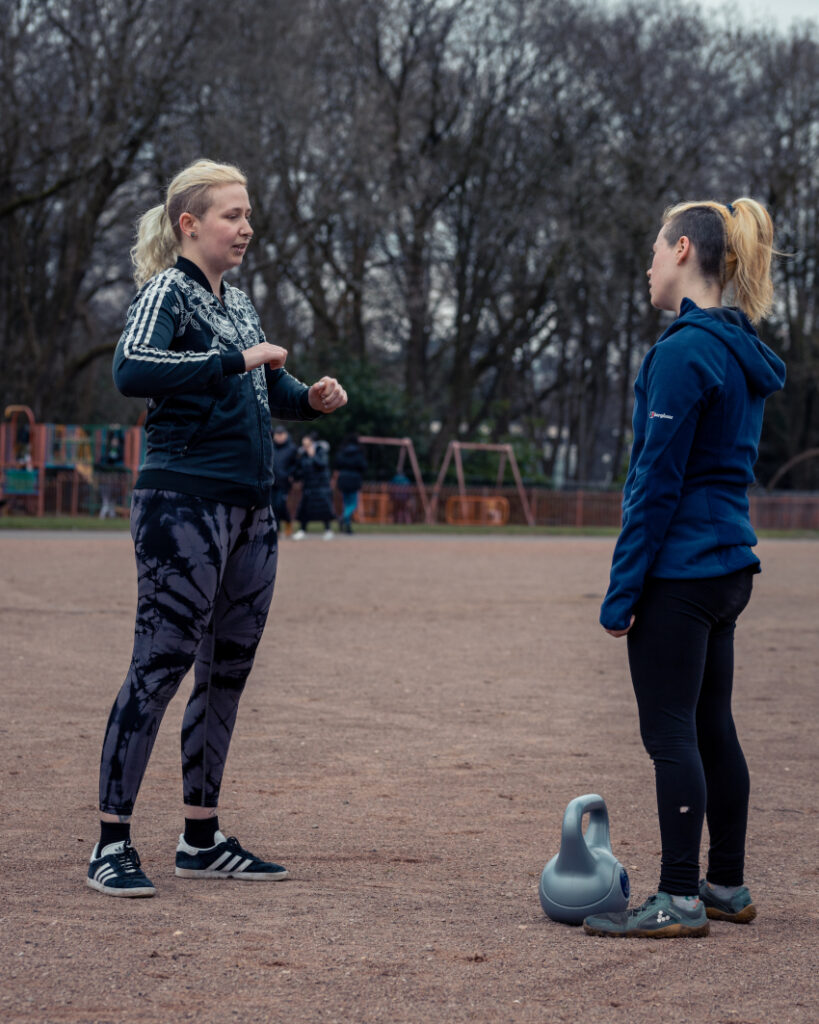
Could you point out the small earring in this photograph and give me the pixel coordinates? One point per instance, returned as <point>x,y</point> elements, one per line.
<point>193,234</point>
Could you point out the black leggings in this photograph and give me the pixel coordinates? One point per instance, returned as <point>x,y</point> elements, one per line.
<point>205,580</point>
<point>681,655</point>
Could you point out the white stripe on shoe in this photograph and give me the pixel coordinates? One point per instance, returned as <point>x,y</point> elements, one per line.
<point>118,873</point>
<point>226,859</point>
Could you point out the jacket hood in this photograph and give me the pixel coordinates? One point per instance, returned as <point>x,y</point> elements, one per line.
<point>763,369</point>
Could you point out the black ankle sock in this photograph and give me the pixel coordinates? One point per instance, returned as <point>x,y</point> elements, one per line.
<point>114,832</point>
<point>201,832</point>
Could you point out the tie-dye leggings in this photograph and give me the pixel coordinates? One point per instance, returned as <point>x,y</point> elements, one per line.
<point>205,580</point>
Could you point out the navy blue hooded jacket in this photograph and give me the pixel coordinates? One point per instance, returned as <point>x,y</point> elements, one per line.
<point>208,423</point>
<point>698,406</point>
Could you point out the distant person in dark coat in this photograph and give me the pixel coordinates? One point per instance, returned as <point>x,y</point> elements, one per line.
<point>285,453</point>
<point>313,469</point>
<point>351,464</point>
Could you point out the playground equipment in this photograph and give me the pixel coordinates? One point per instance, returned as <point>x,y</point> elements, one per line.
<point>475,510</point>
<point>584,877</point>
<point>390,503</point>
<point>56,467</point>
<point>807,455</point>
<point>20,480</point>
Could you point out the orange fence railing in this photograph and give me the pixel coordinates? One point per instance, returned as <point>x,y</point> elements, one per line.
<point>471,510</point>
<point>373,507</point>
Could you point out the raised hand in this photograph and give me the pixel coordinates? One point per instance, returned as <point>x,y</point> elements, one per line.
<point>257,355</point>
<point>327,395</point>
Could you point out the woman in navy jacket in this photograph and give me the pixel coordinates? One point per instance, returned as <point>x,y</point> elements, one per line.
<point>683,564</point>
<point>204,532</point>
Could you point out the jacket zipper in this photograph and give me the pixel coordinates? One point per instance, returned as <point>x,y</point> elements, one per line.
<point>261,439</point>
<point>200,430</point>
<point>254,399</point>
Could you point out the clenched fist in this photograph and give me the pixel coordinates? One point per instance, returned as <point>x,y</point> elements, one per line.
<point>327,395</point>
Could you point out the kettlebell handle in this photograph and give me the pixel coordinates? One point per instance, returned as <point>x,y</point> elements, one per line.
<point>574,846</point>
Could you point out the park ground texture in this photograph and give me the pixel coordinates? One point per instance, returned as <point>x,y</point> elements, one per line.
<point>420,713</point>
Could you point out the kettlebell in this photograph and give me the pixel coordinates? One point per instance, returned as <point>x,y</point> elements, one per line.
<point>584,877</point>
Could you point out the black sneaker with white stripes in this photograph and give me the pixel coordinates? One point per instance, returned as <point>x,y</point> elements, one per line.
<point>226,859</point>
<point>115,870</point>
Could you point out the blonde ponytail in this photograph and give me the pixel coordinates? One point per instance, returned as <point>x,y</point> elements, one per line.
<point>734,245</point>
<point>158,234</point>
<point>749,233</point>
<point>156,246</point>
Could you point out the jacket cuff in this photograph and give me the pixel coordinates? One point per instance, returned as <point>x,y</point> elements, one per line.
<point>614,618</point>
<point>307,410</point>
<point>232,362</point>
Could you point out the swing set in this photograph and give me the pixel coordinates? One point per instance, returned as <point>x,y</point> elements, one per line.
<point>478,510</point>
<point>392,502</point>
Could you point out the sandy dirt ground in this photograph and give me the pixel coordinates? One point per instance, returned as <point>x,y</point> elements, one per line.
<point>420,713</point>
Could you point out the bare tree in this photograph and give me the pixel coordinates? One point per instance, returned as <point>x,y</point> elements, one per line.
<point>782,154</point>
<point>457,200</point>
<point>86,84</point>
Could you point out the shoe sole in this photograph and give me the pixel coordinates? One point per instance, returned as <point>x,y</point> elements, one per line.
<point>673,931</point>
<point>133,893</point>
<point>243,876</point>
<point>744,916</point>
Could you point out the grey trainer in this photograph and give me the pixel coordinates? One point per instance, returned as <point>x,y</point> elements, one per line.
<point>738,908</point>
<point>658,918</point>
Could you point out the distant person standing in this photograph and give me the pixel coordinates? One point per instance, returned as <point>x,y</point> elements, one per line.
<point>351,464</point>
<point>683,566</point>
<point>403,501</point>
<point>285,453</point>
<point>313,470</point>
<point>204,532</point>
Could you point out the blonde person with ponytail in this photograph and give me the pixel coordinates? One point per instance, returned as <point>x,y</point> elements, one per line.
<point>683,565</point>
<point>205,536</point>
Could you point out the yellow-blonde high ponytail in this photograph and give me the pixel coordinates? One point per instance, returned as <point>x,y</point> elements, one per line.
<point>749,232</point>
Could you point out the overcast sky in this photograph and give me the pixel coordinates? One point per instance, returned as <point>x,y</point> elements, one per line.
<point>782,12</point>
